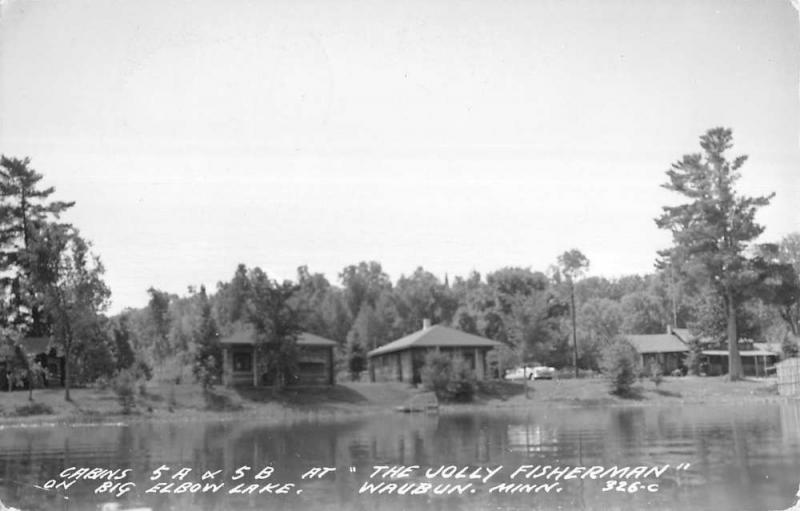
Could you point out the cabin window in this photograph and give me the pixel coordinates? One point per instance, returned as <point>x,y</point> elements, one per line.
<point>242,362</point>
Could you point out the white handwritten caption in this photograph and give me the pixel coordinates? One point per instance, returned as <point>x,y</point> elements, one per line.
<point>382,479</point>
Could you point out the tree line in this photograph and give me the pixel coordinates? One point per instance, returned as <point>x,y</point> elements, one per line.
<point>715,280</point>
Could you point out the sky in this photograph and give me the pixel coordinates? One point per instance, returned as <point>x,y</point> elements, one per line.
<point>456,135</point>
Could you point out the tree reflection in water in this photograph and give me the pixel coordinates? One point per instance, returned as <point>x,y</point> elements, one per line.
<point>741,458</point>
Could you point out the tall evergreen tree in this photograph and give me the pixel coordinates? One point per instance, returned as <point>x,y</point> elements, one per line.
<point>572,264</point>
<point>25,208</point>
<point>713,229</point>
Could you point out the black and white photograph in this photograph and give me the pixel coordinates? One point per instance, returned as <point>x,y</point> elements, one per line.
<point>511,255</point>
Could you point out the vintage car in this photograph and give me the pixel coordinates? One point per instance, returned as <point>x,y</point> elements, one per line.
<point>531,373</point>
<point>543,373</point>
<point>519,373</point>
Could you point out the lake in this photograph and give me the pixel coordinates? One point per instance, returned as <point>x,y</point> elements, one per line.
<point>739,457</point>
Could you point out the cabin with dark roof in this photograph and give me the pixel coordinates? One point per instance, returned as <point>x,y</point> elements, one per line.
<point>402,360</point>
<point>39,350</point>
<point>243,364</point>
<point>669,349</point>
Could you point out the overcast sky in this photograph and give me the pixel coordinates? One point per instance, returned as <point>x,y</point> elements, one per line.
<point>457,135</point>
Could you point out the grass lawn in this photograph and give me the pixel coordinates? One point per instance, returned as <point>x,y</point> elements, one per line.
<point>595,391</point>
<point>168,402</point>
<point>165,401</point>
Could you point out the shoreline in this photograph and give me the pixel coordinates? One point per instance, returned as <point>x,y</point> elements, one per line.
<point>349,401</point>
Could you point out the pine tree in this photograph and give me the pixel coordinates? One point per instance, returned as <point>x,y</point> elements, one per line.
<point>24,210</point>
<point>712,230</point>
<point>572,264</point>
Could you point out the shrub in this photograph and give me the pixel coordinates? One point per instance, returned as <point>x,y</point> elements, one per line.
<point>102,383</point>
<point>693,359</point>
<point>655,372</point>
<point>357,360</point>
<point>450,378</point>
<point>207,367</point>
<point>222,400</point>
<point>205,372</point>
<point>619,364</point>
<point>33,408</point>
<point>462,381</point>
<point>124,385</point>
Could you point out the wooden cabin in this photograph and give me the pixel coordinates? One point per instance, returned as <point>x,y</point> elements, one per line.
<point>243,364</point>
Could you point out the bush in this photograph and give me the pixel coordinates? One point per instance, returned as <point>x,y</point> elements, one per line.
<point>655,372</point>
<point>205,372</point>
<point>124,385</point>
<point>222,401</point>
<point>357,361</point>
<point>619,364</point>
<point>33,409</point>
<point>102,383</point>
<point>694,358</point>
<point>450,378</point>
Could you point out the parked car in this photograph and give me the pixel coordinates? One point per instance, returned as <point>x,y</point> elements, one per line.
<point>531,373</point>
<point>543,373</point>
<point>520,373</point>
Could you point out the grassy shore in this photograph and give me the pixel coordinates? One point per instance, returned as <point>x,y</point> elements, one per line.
<point>164,401</point>
<point>187,401</point>
<point>595,391</point>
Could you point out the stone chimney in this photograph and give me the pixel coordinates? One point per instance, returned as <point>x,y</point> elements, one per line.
<point>426,323</point>
<point>669,329</point>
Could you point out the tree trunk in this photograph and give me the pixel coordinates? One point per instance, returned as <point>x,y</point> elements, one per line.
<point>276,382</point>
<point>786,314</point>
<point>734,361</point>
<point>67,366</point>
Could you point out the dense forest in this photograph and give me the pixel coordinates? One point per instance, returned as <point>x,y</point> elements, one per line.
<point>715,281</point>
<point>527,310</point>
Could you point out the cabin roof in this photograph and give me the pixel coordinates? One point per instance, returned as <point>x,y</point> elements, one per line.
<point>657,343</point>
<point>246,335</point>
<point>742,353</point>
<point>435,336</point>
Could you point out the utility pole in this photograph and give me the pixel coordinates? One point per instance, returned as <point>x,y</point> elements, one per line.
<point>574,330</point>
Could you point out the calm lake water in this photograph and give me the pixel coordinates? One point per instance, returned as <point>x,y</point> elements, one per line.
<point>740,457</point>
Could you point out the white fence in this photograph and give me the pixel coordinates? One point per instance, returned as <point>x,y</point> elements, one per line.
<point>789,377</point>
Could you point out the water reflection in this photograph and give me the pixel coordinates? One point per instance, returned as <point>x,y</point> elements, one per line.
<point>740,457</point>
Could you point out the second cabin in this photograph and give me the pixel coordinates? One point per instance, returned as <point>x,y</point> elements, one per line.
<point>402,360</point>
